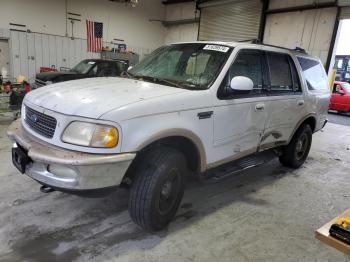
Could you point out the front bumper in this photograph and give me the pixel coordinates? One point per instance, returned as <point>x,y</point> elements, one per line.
<point>66,169</point>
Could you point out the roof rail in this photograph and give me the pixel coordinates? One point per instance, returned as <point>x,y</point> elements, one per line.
<point>299,49</point>
<point>258,41</point>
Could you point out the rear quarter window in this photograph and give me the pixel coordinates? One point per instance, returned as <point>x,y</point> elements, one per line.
<point>314,74</point>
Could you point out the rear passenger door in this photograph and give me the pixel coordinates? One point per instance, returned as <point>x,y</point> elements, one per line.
<point>286,105</point>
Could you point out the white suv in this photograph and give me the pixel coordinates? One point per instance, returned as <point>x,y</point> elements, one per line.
<point>186,108</point>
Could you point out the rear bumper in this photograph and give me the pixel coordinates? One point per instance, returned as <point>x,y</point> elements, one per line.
<point>66,169</point>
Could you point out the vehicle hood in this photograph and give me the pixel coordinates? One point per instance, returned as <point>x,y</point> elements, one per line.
<point>94,97</point>
<point>50,76</point>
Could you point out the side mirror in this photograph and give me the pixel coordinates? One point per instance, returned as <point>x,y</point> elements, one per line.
<point>242,83</point>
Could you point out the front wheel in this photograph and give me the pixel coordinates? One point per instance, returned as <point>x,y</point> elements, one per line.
<point>296,152</point>
<point>158,188</point>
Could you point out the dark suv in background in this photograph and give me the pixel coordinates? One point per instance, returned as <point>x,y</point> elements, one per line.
<point>85,69</point>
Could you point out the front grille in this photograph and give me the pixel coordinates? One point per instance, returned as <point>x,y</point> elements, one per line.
<point>44,125</point>
<point>39,83</point>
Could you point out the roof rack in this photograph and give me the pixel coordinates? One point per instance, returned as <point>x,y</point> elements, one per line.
<point>259,42</point>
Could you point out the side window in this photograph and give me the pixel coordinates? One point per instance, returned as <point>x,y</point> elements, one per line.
<point>103,69</point>
<point>280,72</point>
<point>295,76</point>
<point>118,67</point>
<point>314,74</point>
<point>93,71</point>
<point>99,69</point>
<point>247,63</point>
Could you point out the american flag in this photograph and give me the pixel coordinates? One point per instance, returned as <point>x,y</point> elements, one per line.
<point>94,36</point>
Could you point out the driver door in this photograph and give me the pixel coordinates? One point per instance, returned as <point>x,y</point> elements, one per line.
<point>240,116</point>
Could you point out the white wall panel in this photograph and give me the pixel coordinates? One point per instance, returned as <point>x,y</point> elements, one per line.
<point>30,51</point>
<point>78,50</point>
<point>38,51</point>
<point>15,53</point>
<point>311,30</point>
<point>84,49</point>
<point>181,33</point>
<point>46,50</point>
<point>184,32</point>
<point>52,48</point>
<point>65,52</point>
<point>179,11</point>
<point>23,50</point>
<point>4,33</point>
<point>59,47</point>
<point>120,21</point>
<point>71,54</point>
<point>31,56</point>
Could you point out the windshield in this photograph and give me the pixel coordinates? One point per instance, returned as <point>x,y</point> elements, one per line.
<point>191,66</point>
<point>83,67</point>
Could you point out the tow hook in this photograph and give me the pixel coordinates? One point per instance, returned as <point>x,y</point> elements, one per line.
<point>46,189</point>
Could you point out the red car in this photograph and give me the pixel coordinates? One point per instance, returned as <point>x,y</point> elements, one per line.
<point>340,99</point>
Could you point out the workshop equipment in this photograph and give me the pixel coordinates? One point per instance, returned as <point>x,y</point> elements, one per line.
<point>341,229</point>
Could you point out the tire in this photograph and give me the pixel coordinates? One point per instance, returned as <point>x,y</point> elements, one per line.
<point>296,152</point>
<point>158,188</point>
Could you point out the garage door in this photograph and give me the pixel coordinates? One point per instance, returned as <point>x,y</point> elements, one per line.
<point>230,20</point>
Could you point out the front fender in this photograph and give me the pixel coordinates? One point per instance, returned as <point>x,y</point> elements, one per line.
<point>141,132</point>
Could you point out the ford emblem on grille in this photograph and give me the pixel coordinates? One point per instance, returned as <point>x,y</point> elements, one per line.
<point>34,118</point>
<point>44,125</point>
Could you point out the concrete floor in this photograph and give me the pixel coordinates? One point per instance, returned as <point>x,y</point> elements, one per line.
<point>267,213</point>
<point>339,118</point>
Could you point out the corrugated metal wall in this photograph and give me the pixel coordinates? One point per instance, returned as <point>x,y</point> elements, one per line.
<point>30,51</point>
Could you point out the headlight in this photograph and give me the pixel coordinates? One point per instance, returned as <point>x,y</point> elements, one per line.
<point>89,134</point>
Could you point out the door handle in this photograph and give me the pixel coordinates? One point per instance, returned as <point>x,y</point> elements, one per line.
<point>259,107</point>
<point>204,115</point>
<point>300,102</point>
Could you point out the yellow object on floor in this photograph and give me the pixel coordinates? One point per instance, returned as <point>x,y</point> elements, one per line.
<point>323,234</point>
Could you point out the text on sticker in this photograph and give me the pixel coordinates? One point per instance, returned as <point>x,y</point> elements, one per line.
<point>219,48</point>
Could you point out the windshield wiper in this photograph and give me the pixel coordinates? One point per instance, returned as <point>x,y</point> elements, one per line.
<point>159,80</point>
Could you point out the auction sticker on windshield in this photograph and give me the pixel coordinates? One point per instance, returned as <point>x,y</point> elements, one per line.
<point>219,48</point>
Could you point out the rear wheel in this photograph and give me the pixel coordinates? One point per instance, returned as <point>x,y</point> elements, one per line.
<point>158,188</point>
<point>296,152</point>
